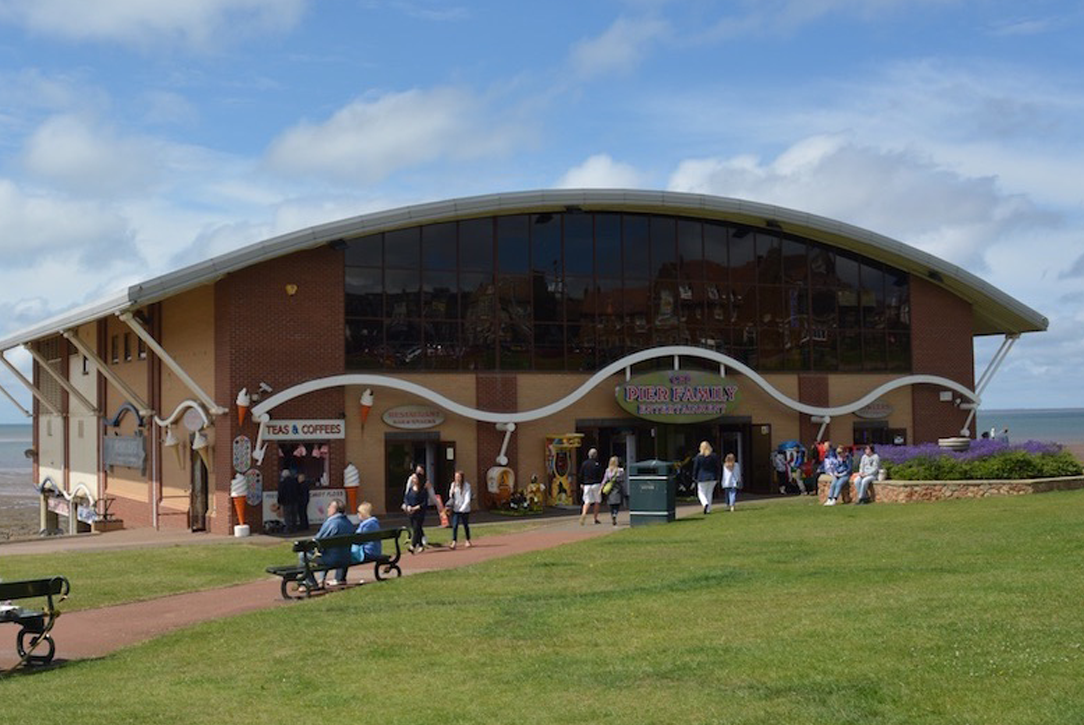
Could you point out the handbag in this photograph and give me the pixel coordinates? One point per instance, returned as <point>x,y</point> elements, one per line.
<point>608,484</point>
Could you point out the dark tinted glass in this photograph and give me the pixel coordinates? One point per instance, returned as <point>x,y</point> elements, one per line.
<point>873,351</point>
<point>579,244</point>
<point>664,247</point>
<point>608,244</point>
<point>476,244</point>
<point>873,297</point>
<point>795,265</point>
<point>690,244</point>
<point>769,258</point>
<point>440,297</point>
<point>579,300</point>
<point>549,347</point>
<point>402,287</point>
<point>438,246</point>
<point>636,247</point>
<point>366,251</point>
<point>404,341</point>
<point>546,245</point>
<point>365,345</point>
<point>364,292</point>
<point>513,243</point>
<point>402,248</point>
<point>743,256</point>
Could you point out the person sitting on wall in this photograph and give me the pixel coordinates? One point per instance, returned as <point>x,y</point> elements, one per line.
<point>868,470</point>
<point>839,468</point>
<point>370,550</point>
<point>337,524</point>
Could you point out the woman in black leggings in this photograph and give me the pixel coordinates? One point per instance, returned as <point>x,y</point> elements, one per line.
<point>415,501</point>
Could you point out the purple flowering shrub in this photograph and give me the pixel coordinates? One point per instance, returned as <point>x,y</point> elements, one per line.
<point>985,459</point>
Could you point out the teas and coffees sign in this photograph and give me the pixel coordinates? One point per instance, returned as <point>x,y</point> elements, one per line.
<point>677,396</point>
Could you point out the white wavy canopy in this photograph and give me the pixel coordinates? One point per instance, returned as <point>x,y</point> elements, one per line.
<point>262,411</point>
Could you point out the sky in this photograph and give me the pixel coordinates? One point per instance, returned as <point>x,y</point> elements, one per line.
<point>137,137</point>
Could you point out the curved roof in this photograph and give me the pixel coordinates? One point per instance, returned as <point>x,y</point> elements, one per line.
<point>995,311</point>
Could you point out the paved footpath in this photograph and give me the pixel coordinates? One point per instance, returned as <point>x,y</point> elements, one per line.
<point>97,632</point>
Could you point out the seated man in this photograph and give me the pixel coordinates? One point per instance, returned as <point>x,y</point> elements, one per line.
<point>368,551</point>
<point>337,524</point>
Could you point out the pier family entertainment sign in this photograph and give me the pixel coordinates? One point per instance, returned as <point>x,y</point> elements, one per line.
<point>677,396</point>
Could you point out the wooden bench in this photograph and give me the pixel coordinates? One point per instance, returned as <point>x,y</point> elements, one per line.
<point>35,624</point>
<point>293,577</point>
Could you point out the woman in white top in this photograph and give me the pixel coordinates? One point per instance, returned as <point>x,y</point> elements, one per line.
<point>459,497</point>
<point>868,470</point>
<point>731,480</point>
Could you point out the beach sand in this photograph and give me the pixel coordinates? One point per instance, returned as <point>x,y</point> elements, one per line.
<point>18,520</point>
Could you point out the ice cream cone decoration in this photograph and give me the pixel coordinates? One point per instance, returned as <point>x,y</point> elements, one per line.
<point>171,441</point>
<point>366,405</point>
<point>351,481</point>
<point>203,448</point>
<point>244,400</point>
<point>238,493</point>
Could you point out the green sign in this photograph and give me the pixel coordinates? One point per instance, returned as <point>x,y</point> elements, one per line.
<point>677,396</point>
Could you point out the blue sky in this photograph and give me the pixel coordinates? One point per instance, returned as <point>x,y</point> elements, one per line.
<point>137,137</point>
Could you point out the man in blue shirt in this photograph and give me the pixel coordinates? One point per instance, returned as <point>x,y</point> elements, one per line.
<point>337,524</point>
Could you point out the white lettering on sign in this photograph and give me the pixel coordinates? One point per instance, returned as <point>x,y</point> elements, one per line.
<point>304,430</point>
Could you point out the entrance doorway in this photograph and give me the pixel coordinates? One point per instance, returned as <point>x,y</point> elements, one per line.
<point>401,456</point>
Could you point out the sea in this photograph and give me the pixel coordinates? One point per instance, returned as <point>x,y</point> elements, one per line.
<point>1063,425</point>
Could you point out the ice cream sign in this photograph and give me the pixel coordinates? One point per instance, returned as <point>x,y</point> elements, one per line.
<point>677,396</point>
<point>305,430</point>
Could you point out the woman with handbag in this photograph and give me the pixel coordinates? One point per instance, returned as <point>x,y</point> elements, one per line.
<point>613,487</point>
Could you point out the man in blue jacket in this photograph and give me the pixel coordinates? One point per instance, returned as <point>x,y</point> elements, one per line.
<point>337,524</point>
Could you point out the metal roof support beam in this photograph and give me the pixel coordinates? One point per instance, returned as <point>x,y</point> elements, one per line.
<point>29,386</point>
<point>84,349</point>
<point>15,402</point>
<point>61,380</point>
<point>995,363</point>
<point>172,364</point>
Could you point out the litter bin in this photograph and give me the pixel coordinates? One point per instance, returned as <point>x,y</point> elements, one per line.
<point>652,491</point>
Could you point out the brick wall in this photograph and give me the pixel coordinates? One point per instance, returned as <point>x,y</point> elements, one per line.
<point>942,327</point>
<point>263,333</point>
<point>812,390</point>
<point>496,392</point>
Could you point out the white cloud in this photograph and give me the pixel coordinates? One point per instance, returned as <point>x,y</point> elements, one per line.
<point>167,107</point>
<point>899,194</point>
<point>41,225</point>
<point>194,23</point>
<point>619,49</point>
<point>77,156</point>
<point>601,172</point>
<point>371,138</point>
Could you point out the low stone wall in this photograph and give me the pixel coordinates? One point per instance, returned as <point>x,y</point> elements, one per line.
<point>904,491</point>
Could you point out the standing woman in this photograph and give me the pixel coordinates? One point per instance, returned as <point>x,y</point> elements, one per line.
<point>415,501</point>
<point>731,480</point>
<point>706,473</point>
<point>613,486</point>
<point>459,495</point>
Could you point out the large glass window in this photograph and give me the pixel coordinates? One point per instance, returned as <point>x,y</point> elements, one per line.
<point>577,290</point>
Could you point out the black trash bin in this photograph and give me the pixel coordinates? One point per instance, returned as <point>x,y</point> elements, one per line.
<point>652,492</point>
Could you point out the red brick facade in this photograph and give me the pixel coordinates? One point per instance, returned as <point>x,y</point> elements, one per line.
<point>942,326</point>
<point>497,392</point>
<point>280,322</point>
<point>812,390</point>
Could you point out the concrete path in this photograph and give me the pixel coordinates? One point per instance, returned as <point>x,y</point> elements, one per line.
<point>97,632</point>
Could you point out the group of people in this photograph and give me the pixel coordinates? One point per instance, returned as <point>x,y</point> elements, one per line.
<point>342,558</point>
<point>709,472</point>
<point>839,464</point>
<point>597,482</point>
<point>293,500</point>
<point>419,495</point>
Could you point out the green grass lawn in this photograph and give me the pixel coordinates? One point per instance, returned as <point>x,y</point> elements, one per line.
<point>103,578</point>
<point>782,612</point>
